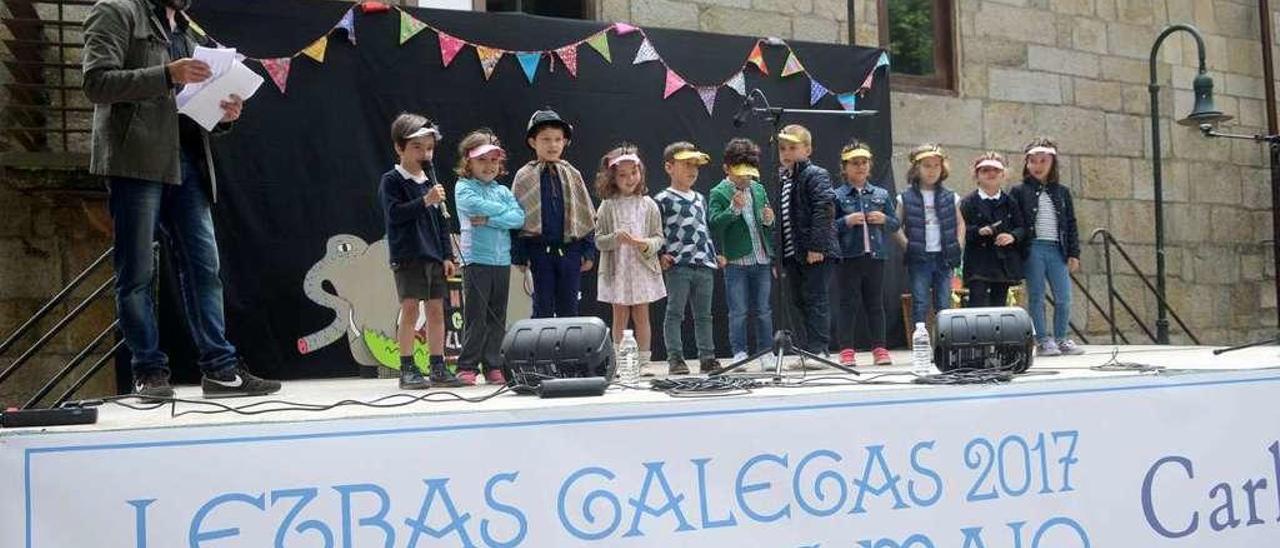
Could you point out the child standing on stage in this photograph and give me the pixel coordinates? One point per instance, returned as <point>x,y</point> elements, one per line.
<point>688,257</point>
<point>808,237</point>
<point>994,230</point>
<point>556,241</point>
<point>629,235</point>
<point>418,240</point>
<point>865,218</point>
<point>487,212</point>
<point>934,230</point>
<point>1052,245</point>
<point>741,222</point>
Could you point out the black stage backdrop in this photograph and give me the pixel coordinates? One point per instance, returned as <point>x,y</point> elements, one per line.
<point>302,167</point>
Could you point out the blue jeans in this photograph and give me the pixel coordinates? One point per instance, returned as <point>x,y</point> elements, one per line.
<point>929,274</point>
<point>689,285</point>
<point>1046,261</point>
<point>181,214</point>
<point>747,289</point>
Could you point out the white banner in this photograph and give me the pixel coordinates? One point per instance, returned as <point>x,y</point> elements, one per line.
<point>1185,461</point>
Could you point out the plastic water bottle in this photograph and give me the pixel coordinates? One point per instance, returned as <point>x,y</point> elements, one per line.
<point>629,358</point>
<point>921,351</point>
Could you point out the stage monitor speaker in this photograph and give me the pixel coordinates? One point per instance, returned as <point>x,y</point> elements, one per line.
<point>556,348</point>
<point>984,338</point>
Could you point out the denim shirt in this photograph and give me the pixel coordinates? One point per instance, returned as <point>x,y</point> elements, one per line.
<point>855,239</point>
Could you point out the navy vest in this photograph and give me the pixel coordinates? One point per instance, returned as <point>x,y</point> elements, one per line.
<point>913,224</point>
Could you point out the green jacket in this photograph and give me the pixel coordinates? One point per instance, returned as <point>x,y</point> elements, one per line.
<point>728,229</point>
<point>135,114</point>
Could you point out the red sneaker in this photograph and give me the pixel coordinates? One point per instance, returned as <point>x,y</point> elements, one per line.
<point>494,376</point>
<point>882,356</point>
<point>848,358</point>
<point>467,377</point>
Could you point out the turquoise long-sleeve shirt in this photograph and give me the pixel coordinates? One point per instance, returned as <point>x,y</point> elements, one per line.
<point>489,243</point>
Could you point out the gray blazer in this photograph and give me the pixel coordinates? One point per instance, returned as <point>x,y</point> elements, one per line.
<point>135,115</point>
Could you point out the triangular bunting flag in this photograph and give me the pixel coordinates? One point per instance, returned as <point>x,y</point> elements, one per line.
<point>316,49</point>
<point>600,43</point>
<point>883,61</point>
<point>646,53</point>
<point>623,28</point>
<point>674,83</point>
<point>449,47</point>
<point>569,56</point>
<point>757,58</point>
<point>410,26</point>
<point>738,83</point>
<point>529,62</point>
<point>848,101</point>
<point>866,84</point>
<point>489,58</point>
<point>348,23</point>
<point>708,95</point>
<point>816,92</point>
<point>278,69</point>
<point>793,66</point>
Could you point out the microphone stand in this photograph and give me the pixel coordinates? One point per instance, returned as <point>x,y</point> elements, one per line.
<point>782,338</point>
<point>1274,142</point>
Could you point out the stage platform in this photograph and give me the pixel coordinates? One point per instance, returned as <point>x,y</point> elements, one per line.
<point>1067,455</point>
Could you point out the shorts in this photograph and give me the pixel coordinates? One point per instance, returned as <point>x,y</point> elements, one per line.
<point>420,279</point>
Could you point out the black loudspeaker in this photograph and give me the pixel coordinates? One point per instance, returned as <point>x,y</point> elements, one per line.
<point>984,338</point>
<point>556,348</point>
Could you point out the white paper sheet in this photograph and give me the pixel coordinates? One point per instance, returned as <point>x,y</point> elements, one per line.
<point>203,103</point>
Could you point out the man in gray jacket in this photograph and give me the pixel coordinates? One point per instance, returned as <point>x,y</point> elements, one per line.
<point>159,169</point>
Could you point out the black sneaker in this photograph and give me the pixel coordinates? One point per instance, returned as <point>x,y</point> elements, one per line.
<point>676,366</point>
<point>709,366</point>
<point>237,382</point>
<point>153,387</point>
<point>412,379</point>
<point>440,376</point>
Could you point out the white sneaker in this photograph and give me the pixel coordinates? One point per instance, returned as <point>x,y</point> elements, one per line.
<point>739,357</point>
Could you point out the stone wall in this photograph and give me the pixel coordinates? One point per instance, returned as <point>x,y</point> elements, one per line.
<point>1077,70</point>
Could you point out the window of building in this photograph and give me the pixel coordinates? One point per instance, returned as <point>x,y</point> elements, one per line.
<point>920,37</point>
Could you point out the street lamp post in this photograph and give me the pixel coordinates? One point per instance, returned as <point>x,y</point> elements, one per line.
<point>1202,112</point>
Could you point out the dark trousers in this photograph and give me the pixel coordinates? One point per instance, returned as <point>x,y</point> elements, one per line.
<point>807,287</point>
<point>983,293</point>
<point>484,315</point>
<point>557,280</point>
<point>860,289</point>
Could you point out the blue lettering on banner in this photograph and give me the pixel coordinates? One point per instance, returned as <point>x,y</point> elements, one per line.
<point>912,541</point>
<point>703,499</point>
<point>195,536</point>
<point>522,524</point>
<point>140,520</point>
<point>923,470</point>
<point>304,496</point>
<point>1148,505</point>
<point>741,489</point>
<point>826,477</point>
<point>587,503</point>
<point>457,523</point>
<point>875,455</point>
<point>378,520</point>
<point>653,472</point>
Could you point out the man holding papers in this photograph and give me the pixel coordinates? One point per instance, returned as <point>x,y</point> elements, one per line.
<point>159,169</point>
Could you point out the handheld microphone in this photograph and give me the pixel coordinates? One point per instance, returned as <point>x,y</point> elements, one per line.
<point>431,168</point>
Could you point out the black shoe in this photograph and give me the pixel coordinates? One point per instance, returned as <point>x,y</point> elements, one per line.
<point>237,382</point>
<point>676,366</point>
<point>440,376</point>
<point>709,366</point>
<point>153,387</point>
<point>412,379</point>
